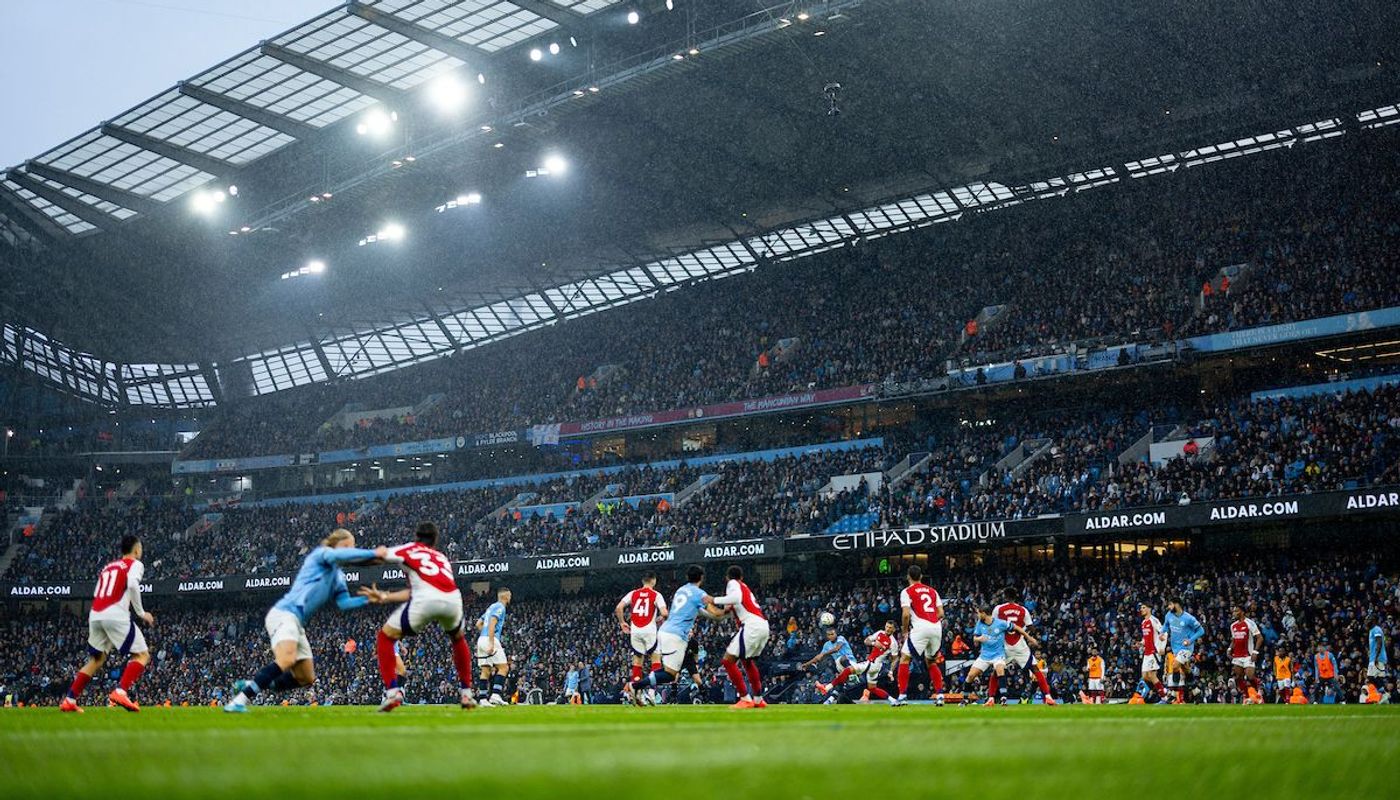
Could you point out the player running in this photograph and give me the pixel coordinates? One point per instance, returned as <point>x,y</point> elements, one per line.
<point>1153,646</point>
<point>1245,642</point>
<point>110,627</point>
<point>431,598</point>
<point>490,653</point>
<point>992,632</point>
<point>647,609</point>
<point>748,641</point>
<point>1377,663</point>
<point>921,625</point>
<point>1183,631</point>
<point>318,581</point>
<point>1017,653</point>
<point>881,644</point>
<point>673,638</point>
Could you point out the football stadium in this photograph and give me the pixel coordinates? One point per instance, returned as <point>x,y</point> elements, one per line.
<point>784,399</point>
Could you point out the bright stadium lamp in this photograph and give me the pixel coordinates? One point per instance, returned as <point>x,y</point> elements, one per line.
<point>315,267</point>
<point>633,17</point>
<point>556,165</point>
<point>536,54</point>
<point>377,122</point>
<point>447,93</point>
<point>554,48</point>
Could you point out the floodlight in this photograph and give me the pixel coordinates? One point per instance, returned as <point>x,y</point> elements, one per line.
<point>633,18</point>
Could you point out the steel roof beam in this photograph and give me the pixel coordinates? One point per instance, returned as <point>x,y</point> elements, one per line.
<point>467,54</point>
<point>557,14</point>
<point>89,214</point>
<point>164,149</point>
<point>248,111</point>
<point>122,197</point>
<point>26,216</point>
<point>365,86</point>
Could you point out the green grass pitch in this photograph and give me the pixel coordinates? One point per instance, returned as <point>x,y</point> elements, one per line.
<point>1084,752</point>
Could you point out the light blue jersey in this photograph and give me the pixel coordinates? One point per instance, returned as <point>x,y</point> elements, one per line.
<point>571,681</point>
<point>687,603</point>
<point>1378,654</point>
<point>497,610</point>
<point>839,649</point>
<point>320,579</point>
<point>1184,630</point>
<point>995,646</point>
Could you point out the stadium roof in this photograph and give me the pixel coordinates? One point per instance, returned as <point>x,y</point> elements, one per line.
<point>698,144</point>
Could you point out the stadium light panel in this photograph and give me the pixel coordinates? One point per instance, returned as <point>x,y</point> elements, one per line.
<point>377,122</point>
<point>554,48</point>
<point>315,267</point>
<point>633,17</point>
<point>536,54</point>
<point>556,164</point>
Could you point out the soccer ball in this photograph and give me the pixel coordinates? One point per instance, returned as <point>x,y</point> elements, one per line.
<point>827,619</point>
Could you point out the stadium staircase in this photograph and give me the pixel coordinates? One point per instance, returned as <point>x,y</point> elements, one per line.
<point>590,506</point>
<point>989,317</point>
<point>1239,278</point>
<point>1020,459</point>
<point>515,502</point>
<point>911,465</point>
<point>697,487</point>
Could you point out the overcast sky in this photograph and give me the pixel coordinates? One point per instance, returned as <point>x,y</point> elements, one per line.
<point>66,65</point>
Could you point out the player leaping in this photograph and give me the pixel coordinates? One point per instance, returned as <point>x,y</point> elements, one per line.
<point>431,598</point>
<point>922,631</point>
<point>318,581</point>
<point>748,642</point>
<point>110,627</point>
<point>647,608</point>
<point>881,644</point>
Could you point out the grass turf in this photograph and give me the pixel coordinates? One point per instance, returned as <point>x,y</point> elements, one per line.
<point>783,751</point>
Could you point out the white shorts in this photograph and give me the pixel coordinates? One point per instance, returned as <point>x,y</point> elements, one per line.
<point>749,640</point>
<point>644,640</point>
<point>283,626</point>
<point>672,649</point>
<point>1244,662</point>
<point>1376,671</point>
<point>1096,684</point>
<point>444,610</point>
<point>1284,683</point>
<point>1018,654</point>
<point>122,635</point>
<point>982,664</point>
<point>1150,664</point>
<point>486,656</point>
<point>1183,659</point>
<point>925,638</point>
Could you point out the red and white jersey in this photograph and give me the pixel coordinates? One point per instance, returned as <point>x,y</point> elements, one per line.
<point>429,571</point>
<point>645,603</point>
<point>879,643</point>
<point>1242,633</point>
<point>745,605</point>
<point>922,601</point>
<point>1154,640</point>
<point>118,590</point>
<point>1016,614</point>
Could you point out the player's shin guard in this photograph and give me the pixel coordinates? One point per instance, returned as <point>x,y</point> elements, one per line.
<point>935,675</point>
<point>80,682</point>
<point>902,678</point>
<point>384,651</point>
<point>130,674</point>
<point>755,680</point>
<point>993,686</point>
<point>462,661</point>
<point>736,677</point>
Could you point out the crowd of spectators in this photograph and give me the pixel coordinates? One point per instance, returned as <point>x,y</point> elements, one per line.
<point>1301,599</point>
<point>1126,265</point>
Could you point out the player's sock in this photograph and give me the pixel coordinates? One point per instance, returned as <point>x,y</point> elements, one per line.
<point>1181,695</point>
<point>498,685</point>
<point>1160,689</point>
<point>755,680</point>
<point>462,660</point>
<point>263,680</point>
<point>636,672</point>
<point>878,693</point>
<point>841,677</point>
<point>935,675</point>
<point>993,686</point>
<point>1040,679</point>
<point>902,678</point>
<point>285,682</point>
<point>384,650</point>
<point>80,682</point>
<point>731,668</point>
<point>132,671</point>
<point>656,677</point>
